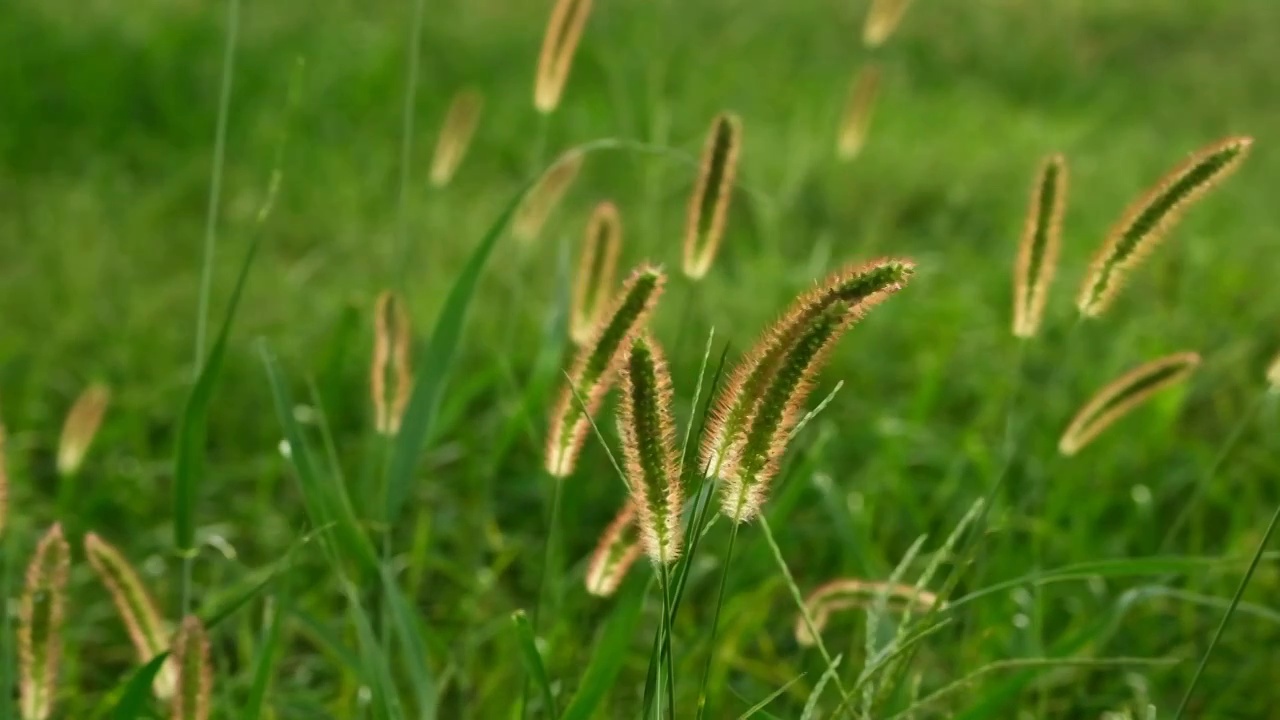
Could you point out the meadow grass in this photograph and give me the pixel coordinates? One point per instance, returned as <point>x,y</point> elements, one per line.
<point>343,573</point>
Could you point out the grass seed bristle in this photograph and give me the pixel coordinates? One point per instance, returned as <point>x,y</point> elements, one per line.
<point>615,553</point>
<point>391,341</point>
<point>459,126</point>
<point>709,204</point>
<point>858,110</point>
<point>195,672</point>
<point>559,44</point>
<point>851,593</point>
<point>80,427</point>
<point>1041,241</point>
<point>601,245</point>
<point>1273,375</point>
<point>545,196</point>
<point>883,17</point>
<point>1122,395</point>
<point>40,616</point>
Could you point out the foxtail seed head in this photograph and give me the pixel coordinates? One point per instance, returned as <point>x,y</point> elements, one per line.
<point>596,365</point>
<point>195,674</point>
<point>40,618</point>
<point>1273,374</point>
<point>1124,394</point>
<point>137,610</point>
<point>545,196</point>
<point>80,427</point>
<point>649,445</point>
<point>1038,251</point>
<point>391,339</point>
<point>459,126</point>
<point>851,593</point>
<point>882,19</point>
<point>858,109</point>
<point>564,30</point>
<point>615,553</point>
<point>601,244</point>
<point>709,204</point>
<point>860,286</point>
<point>1149,218</point>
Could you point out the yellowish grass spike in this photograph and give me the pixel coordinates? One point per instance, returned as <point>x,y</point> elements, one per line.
<point>615,553</point>
<point>391,341</point>
<point>852,593</point>
<point>1149,218</point>
<point>137,610</point>
<point>882,19</point>
<point>1273,374</point>
<point>858,110</point>
<point>545,196</point>
<point>40,617</point>
<point>595,367</point>
<point>1122,395</point>
<point>1038,250</point>
<point>601,244</point>
<point>559,44</point>
<point>459,126</point>
<point>649,446</point>
<point>709,204</point>
<point>80,427</point>
<point>195,672</point>
<point>4,478</point>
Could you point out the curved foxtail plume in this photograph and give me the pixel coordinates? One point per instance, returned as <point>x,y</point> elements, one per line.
<point>1273,377</point>
<point>195,674</point>
<point>78,430</point>
<point>459,126</point>
<point>137,610</point>
<point>709,204</point>
<point>545,196</point>
<point>40,616</point>
<point>858,110</point>
<point>1149,218</point>
<point>601,244</point>
<point>391,340</point>
<point>1038,250</point>
<point>649,446</point>
<point>595,367</point>
<point>860,286</point>
<point>1123,394</point>
<point>615,553</point>
<point>559,44</point>
<point>851,593</point>
<point>882,19</point>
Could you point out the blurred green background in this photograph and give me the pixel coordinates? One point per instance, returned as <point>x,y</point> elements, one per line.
<point>107,115</point>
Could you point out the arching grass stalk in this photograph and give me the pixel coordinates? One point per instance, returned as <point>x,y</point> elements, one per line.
<point>407,125</point>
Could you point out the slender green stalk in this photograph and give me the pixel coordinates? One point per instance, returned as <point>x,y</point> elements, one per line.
<point>550,565</point>
<point>401,255</point>
<point>665,577</point>
<point>715,623</point>
<point>6,628</point>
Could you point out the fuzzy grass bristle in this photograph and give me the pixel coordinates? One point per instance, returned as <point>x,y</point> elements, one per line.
<point>601,245</point>
<point>853,593</point>
<point>391,341</point>
<point>1038,250</point>
<point>883,17</point>
<point>1150,218</point>
<point>559,44</point>
<point>80,427</point>
<point>708,211</point>
<point>858,110</point>
<point>615,553</point>
<point>1122,395</point>
<point>1273,375</point>
<point>41,611</point>
<point>195,672</point>
<point>545,196</point>
<point>595,367</point>
<point>459,126</point>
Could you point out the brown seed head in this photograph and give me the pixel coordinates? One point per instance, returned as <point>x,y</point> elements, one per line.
<point>1273,374</point>
<point>1038,251</point>
<point>849,593</point>
<point>545,196</point>
<point>460,122</point>
<point>882,19</point>
<point>40,617</point>
<point>195,672</point>
<point>391,340</point>
<point>80,427</point>
<point>709,204</point>
<point>559,44</point>
<point>1122,395</point>
<point>858,109</point>
<point>615,553</point>
<point>601,244</point>
<point>649,447</point>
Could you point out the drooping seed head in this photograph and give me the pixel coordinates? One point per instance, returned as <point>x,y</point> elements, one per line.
<point>1038,250</point>
<point>559,44</point>
<point>615,553</point>
<point>597,266</point>
<point>882,19</point>
<point>1273,374</point>
<point>1148,219</point>
<point>137,610</point>
<point>595,367</point>
<point>391,340</point>
<point>40,617</point>
<point>858,110</point>
<point>709,204</point>
<point>1122,395</point>
<point>80,427</point>
<point>545,196</point>
<point>649,446</point>
<point>850,593</point>
<point>459,126</point>
<point>195,672</point>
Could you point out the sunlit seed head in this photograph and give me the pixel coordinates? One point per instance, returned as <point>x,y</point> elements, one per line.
<point>883,18</point>
<point>854,593</point>
<point>1273,374</point>
<point>615,553</point>
<point>40,618</point>
<point>545,196</point>
<point>1039,247</point>
<point>708,210</point>
<point>456,131</point>
<point>559,44</point>
<point>80,427</point>
<point>858,110</point>
<point>597,266</point>
<point>194,671</point>
<point>649,448</point>
<point>391,340</point>
<point>1122,395</point>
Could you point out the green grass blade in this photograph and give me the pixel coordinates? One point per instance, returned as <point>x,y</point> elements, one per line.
<point>264,659</point>
<point>532,659</point>
<point>811,705</point>
<point>225,603</point>
<point>134,698</point>
<point>408,629</point>
<point>606,662</point>
<point>759,707</point>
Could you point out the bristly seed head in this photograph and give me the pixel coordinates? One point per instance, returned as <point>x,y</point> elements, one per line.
<point>391,340</point>
<point>1038,251</point>
<point>1122,395</point>
<point>1148,219</point>
<point>40,617</point>
<point>80,427</point>
<point>1273,374</point>
<point>459,126</point>
<point>545,196</point>
<point>564,31</point>
<point>615,553</point>
<point>850,593</point>
<point>601,244</point>
<point>882,19</point>
<point>858,110</point>
<point>649,445</point>
<point>709,204</point>
<point>195,672</point>
<point>596,365</point>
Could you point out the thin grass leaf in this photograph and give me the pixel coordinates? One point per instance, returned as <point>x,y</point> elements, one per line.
<point>265,657</point>
<point>606,661</point>
<point>132,703</point>
<point>532,660</point>
<point>406,623</point>
<point>760,706</point>
<point>811,705</point>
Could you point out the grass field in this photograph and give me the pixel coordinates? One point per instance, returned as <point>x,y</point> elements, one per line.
<point>108,115</point>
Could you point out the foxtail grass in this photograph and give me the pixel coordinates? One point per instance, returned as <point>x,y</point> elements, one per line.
<point>80,427</point>
<point>1038,250</point>
<point>1122,395</point>
<point>597,265</point>
<point>40,617</point>
<point>615,553</point>
<point>1273,374</point>
<point>559,45</point>
<point>4,478</point>
<point>459,126</point>
<point>545,196</point>
<point>194,674</point>
<point>883,17</point>
<point>708,210</point>
<point>649,446</point>
<point>391,341</point>
<point>1150,218</point>
<point>854,593</point>
<point>858,110</point>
